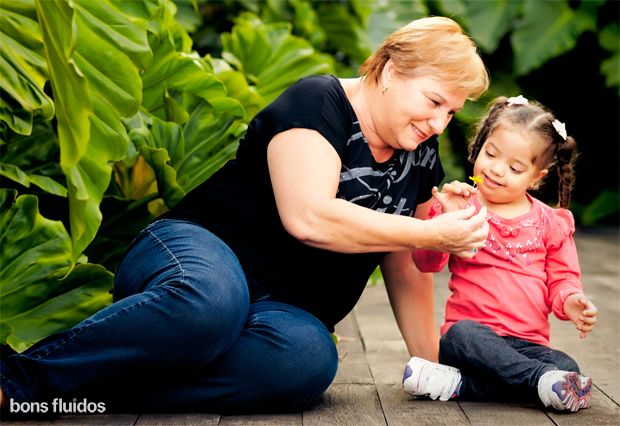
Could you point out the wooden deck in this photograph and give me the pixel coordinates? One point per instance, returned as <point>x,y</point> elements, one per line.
<point>367,389</point>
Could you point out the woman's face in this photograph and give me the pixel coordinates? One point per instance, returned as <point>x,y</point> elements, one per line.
<point>415,108</point>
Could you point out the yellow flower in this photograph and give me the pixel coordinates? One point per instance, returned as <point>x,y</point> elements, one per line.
<point>476,180</point>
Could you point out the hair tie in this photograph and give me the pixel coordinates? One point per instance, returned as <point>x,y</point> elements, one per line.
<point>560,128</point>
<point>519,100</point>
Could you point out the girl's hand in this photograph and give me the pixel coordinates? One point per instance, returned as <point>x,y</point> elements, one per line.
<point>454,196</point>
<point>582,312</point>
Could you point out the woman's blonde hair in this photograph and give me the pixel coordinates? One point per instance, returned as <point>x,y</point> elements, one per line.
<point>434,45</point>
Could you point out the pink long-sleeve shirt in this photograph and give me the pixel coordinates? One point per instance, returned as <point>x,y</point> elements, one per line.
<point>527,269</point>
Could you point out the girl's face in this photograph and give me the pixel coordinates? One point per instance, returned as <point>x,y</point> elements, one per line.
<point>506,168</point>
<point>415,108</point>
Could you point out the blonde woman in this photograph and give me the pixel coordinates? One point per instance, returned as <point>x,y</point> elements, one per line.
<point>225,304</point>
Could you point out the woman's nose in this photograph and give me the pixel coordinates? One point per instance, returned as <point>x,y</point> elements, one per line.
<point>439,122</point>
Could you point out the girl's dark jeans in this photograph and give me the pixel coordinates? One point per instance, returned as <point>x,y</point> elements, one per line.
<point>494,367</point>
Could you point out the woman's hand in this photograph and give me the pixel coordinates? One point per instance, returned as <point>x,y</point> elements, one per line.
<point>454,196</point>
<point>582,312</point>
<point>461,233</point>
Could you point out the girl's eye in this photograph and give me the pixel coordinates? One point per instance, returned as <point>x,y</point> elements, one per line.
<point>489,154</point>
<point>516,171</point>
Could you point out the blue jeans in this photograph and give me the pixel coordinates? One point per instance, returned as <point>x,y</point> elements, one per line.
<point>495,367</point>
<point>184,333</point>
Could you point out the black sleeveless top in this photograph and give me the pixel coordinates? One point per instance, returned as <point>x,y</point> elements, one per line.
<point>237,203</point>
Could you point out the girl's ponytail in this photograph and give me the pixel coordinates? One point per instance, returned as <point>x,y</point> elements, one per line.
<point>566,157</point>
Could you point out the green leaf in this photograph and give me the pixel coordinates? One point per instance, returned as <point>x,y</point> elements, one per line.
<point>605,204</point>
<point>391,15</point>
<point>35,297</point>
<point>343,32</point>
<point>54,304</point>
<point>185,73</point>
<point>34,159</point>
<point>549,29</point>
<point>95,54</point>
<point>487,22</point>
<point>270,56</point>
<point>23,69</point>
<point>31,246</point>
<point>609,39</point>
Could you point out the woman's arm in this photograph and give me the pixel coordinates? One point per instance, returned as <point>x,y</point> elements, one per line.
<point>411,296</point>
<point>305,170</point>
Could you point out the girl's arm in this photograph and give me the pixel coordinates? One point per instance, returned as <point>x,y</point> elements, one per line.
<point>562,268</point>
<point>305,169</point>
<point>411,296</point>
<point>429,260</point>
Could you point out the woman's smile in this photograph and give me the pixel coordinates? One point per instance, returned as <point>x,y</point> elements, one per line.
<point>419,132</point>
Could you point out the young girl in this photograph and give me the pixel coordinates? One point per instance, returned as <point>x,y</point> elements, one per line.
<point>495,338</point>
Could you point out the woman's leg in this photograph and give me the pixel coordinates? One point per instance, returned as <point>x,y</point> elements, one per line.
<point>182,302</point>
<point>490,367</point>
<point>283,359</point>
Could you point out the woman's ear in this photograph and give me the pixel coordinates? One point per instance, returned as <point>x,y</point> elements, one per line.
<point>387,75</point>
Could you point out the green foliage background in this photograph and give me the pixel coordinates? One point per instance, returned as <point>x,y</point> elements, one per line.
<point>110,112</point>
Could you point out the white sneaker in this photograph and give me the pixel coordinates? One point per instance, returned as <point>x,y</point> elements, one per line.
<point>586,392</point>
<point>564,390</point>
<point>425,378</point>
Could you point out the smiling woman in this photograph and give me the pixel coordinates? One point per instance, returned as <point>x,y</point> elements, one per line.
<point>334,175</point>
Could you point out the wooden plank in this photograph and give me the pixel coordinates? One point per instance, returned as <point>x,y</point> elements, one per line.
<point>401,409</point>
<point>387,360</point>
<point>598,355</point>
<point>8,420</point>
<point>292,419</point>
<point>96,419</point>
<point>602,411</point>
<point>352,364</point>
<point>346,405</point>
<point>178,419</point>
<point>504,413</point>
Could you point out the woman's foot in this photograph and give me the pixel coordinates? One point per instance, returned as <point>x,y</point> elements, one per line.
<point>564,390</point>
<point>425,378</point>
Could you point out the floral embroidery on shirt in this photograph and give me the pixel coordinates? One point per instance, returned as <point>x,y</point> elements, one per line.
<point>517,249</point>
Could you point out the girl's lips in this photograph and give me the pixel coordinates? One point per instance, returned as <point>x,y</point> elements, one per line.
<point>490,182</point>
<point>419,132</point>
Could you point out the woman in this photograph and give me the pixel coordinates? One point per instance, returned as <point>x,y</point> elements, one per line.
<point>226,303</point>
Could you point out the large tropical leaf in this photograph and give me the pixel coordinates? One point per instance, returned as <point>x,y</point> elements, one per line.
<point>609,39</point>
<point>487,22</point>
<point>34,159</point>
<point>23,69</point>
<point>175,66</point>
<point>183,159</point>
<point>269,55</point>
<point>343,30</point>
<point>36,295</point>
<point>549,29</point>
<point>95,52</point>
<point>390,15</point>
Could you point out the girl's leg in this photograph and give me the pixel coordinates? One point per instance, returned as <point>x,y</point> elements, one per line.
<point>490,367</point>
<point>182,302</point>
<point>283,359</point>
